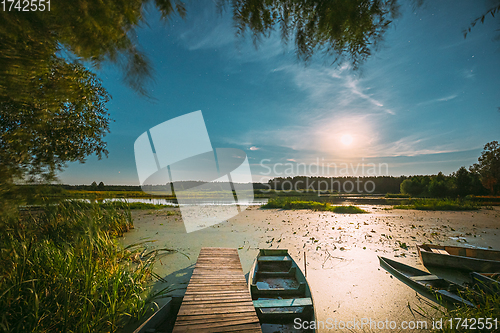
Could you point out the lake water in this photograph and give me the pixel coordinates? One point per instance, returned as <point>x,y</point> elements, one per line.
<point>167,202</point>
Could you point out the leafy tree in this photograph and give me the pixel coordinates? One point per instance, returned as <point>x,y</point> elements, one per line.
<point>345,29</point>
<point>88,30</point>
<point>438,186</point>
<point>93,186</point>
<point>416,186</point>
<point>488,167</point>
<point>477,187</point>
<point>64,120</point>
<point>100,186</point>
<point>492,11</point>
<point>463,182</point>
<point>406,187</point>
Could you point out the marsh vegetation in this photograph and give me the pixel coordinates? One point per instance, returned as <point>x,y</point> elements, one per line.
<point>63,270</point>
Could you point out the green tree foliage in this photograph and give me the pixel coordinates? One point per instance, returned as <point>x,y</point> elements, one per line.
<point>416,186</point>
<point>101,186</point>
<point>494,9</point>
<point>52,109</point>
<point>488,167</point>
<point>345,29</point>
<point>463,182</point>
<point>89,30</point>
<point>440,186</point>
<point>65,119</point>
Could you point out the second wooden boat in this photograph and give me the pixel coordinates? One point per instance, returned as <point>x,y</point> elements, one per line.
<point>463,258</point>
<point>426,283</point>
<point>280,292</point>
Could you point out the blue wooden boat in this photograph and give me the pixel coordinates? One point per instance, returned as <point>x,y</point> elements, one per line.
<point>280,292</point>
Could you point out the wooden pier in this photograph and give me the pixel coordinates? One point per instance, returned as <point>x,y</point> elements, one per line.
<point>217,297</point>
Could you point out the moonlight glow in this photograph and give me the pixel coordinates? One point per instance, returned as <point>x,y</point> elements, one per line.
<point>346,139</point>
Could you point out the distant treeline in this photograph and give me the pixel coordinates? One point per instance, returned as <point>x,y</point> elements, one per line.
<point>459,184</point>
<point>370,184</point>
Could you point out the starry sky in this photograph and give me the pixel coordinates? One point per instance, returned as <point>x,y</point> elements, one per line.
<point>426,100</point>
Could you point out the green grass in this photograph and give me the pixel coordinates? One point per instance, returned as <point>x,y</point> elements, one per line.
<point>487,306</point>
<point>439,204</point>
<point>294,203</point>
<point>123,205</point>
<point>396,195</point>
<point>131,205</point>
<point>76,194</point>
<point>62,270</point>
<point>347,209</point>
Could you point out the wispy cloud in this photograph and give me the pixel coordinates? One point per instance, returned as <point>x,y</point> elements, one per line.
<point>207,30</point>
<point>468,73</point>
<point>339,88</point>
<point>446,98</point>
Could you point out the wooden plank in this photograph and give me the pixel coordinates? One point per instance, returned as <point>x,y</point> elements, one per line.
<point>278,303</point>
<point>215,316</point>
<point>215,300</point>
<point>439,251</point>
<point>196,298</point>
<point>217,297</point>
<point>218,324</point>
<point>425,278</point>
<point>274,258</point>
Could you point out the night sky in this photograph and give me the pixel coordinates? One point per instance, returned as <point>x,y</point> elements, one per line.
<point>426,100</point>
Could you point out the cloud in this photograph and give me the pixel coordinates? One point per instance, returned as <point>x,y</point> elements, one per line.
<point>438,100</point>
<point>208,30</point>
<point>339,88</point>
<point>468,73</point>
<point>332,101</point>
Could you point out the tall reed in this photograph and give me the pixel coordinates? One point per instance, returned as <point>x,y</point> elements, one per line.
<point>61,270</point>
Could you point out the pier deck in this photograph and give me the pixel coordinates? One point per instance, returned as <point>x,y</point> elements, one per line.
<point>217,297</point>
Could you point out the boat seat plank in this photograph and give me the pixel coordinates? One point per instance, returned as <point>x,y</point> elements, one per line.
<point>279,303</point>
<point>274,258</point>
<point>439,251</point>
<point>425,278</point>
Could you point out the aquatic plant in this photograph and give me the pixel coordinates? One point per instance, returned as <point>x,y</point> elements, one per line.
<point>439,204</point>
<point>295,203</point>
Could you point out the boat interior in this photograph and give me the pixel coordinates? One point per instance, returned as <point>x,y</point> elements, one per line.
<point>278,287</point>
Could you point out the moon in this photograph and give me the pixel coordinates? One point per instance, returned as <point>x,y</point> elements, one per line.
<point>346,139</point>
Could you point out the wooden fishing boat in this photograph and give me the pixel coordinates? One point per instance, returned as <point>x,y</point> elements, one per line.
<point>489,282</point>
<point>426,283</point>
<point>280,292</point>
<point>463,258</point>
